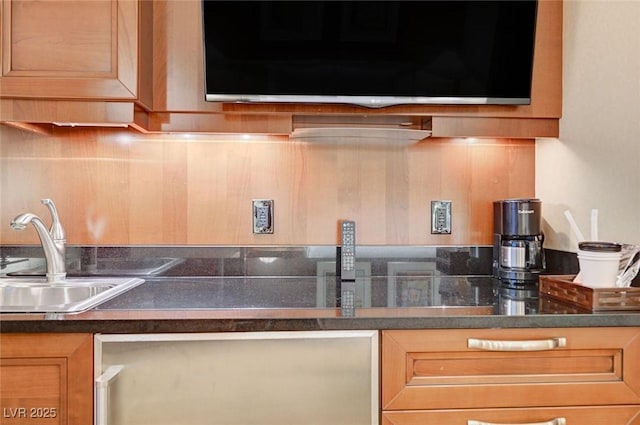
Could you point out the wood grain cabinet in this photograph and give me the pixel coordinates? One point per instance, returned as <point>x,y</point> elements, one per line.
<point>555,376</point>
<point>140,63</point>
<point>46,379</point>
<point>70,60</point>
<point>179,102</point>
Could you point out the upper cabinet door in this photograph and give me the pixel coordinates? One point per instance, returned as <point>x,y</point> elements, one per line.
<point>69,49</point>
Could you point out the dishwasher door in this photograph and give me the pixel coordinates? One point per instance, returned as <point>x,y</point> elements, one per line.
<point>253,378</point>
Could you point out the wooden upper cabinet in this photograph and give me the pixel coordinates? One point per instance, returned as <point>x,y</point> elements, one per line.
<point>141,62</point>
<point>182,88</point>
<point>70,49</point>
<point>179,86</point>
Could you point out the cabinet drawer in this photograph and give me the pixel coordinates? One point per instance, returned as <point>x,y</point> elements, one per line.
<point>619,415</point>
<point>492,368</point>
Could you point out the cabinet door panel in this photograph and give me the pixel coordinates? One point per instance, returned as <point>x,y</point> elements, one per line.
<point>46,379</point>
<point>47,39</point>
<point>71,49</point>
<point>25,398</point>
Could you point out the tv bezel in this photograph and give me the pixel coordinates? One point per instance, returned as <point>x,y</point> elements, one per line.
<point>368,101</point>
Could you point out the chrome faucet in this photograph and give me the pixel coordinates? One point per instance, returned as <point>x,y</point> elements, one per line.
<point>53,240</point>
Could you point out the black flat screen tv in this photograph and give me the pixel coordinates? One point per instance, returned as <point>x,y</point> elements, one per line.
<point>370,53</point>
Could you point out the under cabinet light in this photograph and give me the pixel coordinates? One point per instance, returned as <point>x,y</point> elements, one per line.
<point>90,124</point>
<point>360,135</point>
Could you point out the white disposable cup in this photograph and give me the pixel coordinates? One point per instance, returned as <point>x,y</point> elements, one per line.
<point>599,269</point>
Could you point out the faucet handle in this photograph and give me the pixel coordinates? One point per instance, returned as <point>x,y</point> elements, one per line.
<point>56,230</point>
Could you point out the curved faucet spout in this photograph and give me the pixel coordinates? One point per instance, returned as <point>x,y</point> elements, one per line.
<point>53,243</point>
<point>21,221</point>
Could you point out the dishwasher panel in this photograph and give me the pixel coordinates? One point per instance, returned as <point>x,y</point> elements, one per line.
<point>255,378</point>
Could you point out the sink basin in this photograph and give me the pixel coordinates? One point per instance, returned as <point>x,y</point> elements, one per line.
<point>72,295</point>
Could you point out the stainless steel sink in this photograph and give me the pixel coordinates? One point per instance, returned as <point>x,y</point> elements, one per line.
<point>71,295</point>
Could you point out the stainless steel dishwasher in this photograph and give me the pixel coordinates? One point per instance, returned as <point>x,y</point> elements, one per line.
<point>252,378</point>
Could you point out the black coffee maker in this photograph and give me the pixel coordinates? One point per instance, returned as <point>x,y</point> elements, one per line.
<point>518,256</point>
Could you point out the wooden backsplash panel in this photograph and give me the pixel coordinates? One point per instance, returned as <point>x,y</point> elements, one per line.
<point>114,187</point>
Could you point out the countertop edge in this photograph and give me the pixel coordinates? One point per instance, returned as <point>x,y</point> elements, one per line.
<point>170,325</point>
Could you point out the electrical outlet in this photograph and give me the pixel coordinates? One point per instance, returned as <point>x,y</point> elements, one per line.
<point>262,216</point>
<point>441,217</point>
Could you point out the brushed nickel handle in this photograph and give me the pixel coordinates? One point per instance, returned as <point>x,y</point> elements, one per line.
<point>535,345</point>
<point>102,393</point>
<point>556,421</point>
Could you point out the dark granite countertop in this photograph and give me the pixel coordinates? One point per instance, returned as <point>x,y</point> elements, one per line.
<point>277,304</point>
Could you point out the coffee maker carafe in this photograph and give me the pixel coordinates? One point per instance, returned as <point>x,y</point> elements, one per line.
<point>518,255</point>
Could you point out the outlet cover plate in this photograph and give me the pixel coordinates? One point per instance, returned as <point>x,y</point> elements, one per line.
<point>441,217</point>
<point>262,216</point>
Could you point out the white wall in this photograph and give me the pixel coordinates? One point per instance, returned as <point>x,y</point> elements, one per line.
<point>596,161</point>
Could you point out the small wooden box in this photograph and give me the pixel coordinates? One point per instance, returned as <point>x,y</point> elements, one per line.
<point>562,288</point>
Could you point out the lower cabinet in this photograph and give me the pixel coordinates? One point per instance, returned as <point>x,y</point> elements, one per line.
<point>46,379</point>
<point>551,376</point>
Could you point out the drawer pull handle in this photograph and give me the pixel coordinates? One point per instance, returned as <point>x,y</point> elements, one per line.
<point>556,421</point>
<point>537,345</point>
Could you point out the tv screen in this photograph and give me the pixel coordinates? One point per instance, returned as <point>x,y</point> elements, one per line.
<point>370,53</point>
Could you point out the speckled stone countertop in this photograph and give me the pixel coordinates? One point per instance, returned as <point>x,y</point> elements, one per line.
<point>222,305</point>
<point>230,289</point>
